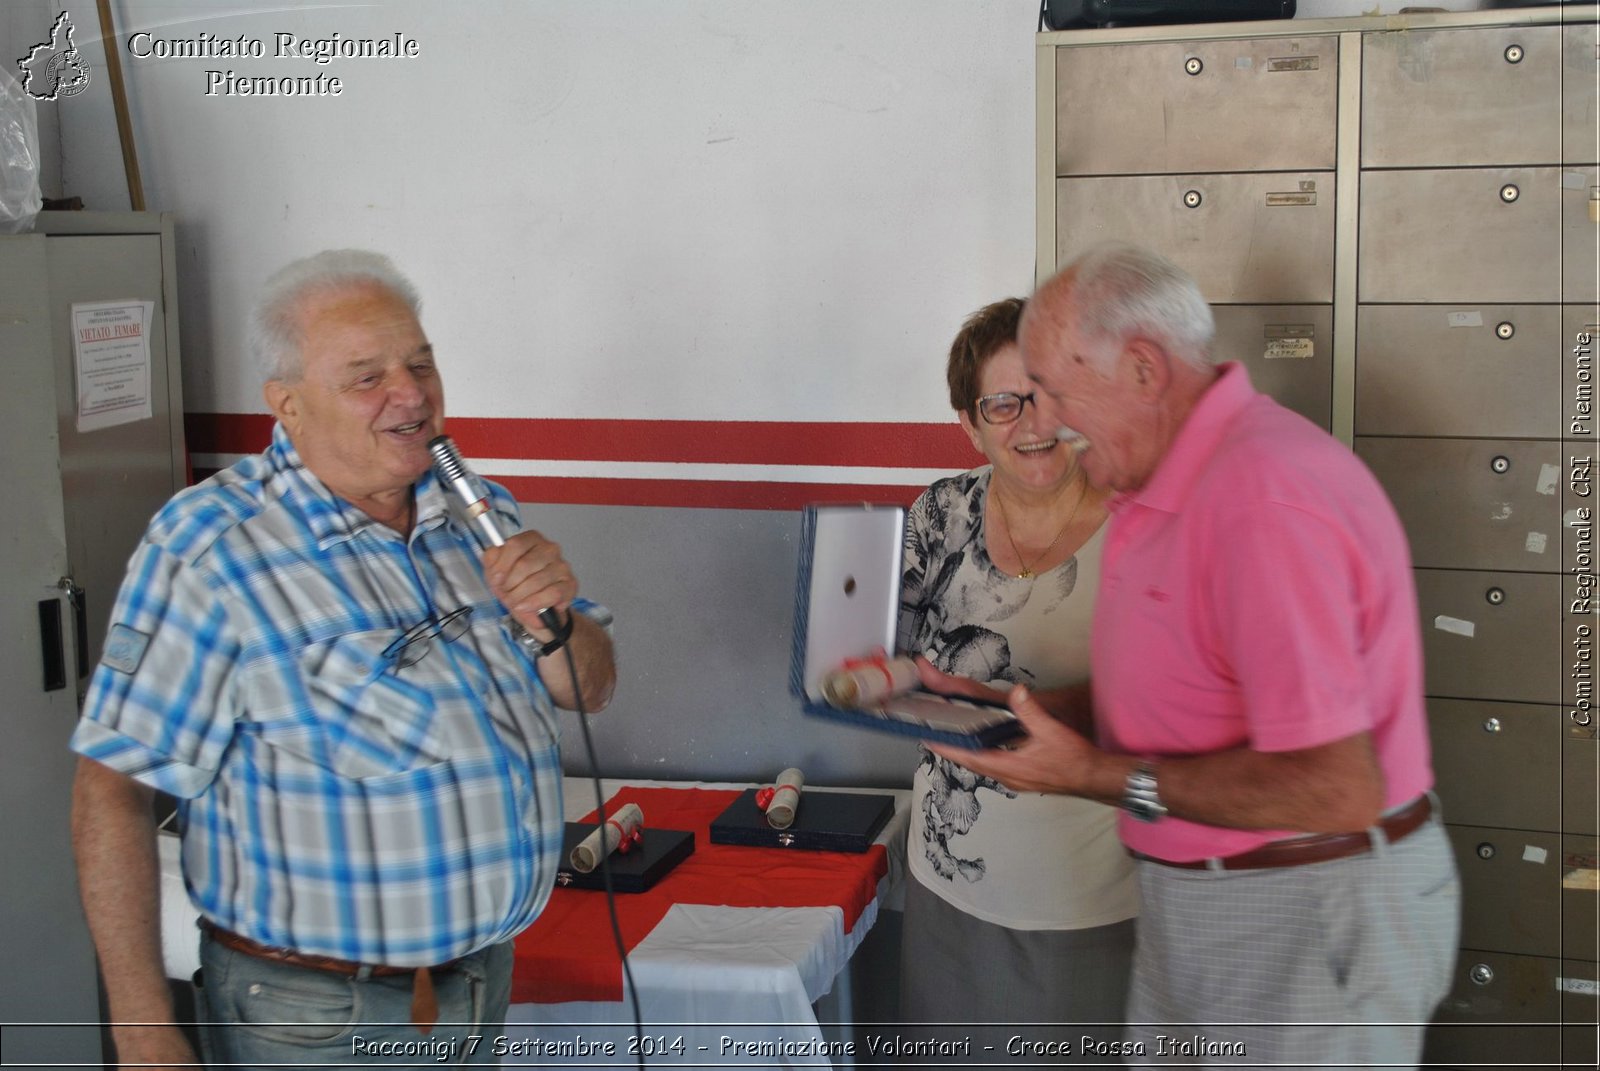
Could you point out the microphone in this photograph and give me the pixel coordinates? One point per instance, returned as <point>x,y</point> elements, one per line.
<point>461,487</point>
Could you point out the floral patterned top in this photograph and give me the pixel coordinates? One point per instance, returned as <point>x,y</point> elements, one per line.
<point>1021,860</point>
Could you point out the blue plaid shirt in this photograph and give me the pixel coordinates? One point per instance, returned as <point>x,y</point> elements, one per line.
<point>334,802</point>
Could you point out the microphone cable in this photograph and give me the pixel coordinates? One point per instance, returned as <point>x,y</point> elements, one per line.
<point>605,858</point>
<point>461,486</point>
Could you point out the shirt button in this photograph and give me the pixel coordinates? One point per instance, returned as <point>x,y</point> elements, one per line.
<point>255,989</point>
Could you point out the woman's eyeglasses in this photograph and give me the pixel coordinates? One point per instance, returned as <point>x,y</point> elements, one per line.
<point>415,643</point>
<point>1003,408</point>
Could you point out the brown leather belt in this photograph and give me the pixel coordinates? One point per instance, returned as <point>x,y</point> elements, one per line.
<point>424,1002</point>
<point>1322,848</point>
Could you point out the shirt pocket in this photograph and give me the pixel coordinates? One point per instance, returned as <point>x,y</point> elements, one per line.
<point>375,721</point>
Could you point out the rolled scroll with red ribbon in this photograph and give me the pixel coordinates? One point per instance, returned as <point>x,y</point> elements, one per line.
<point>782,799</point>
<point>623,831</point>
<point>862,682</point>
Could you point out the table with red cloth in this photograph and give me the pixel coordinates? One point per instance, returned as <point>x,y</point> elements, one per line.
<point>728,953</point>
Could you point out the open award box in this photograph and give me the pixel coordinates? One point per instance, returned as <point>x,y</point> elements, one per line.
<point>651,855</point>
<point>846,611</point>
<point>823,821</point>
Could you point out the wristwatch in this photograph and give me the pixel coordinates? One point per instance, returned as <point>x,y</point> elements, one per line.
<point>535,647</point>
<point>1140,798</point>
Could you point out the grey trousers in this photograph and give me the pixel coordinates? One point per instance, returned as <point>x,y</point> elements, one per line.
<point>1333,964</point>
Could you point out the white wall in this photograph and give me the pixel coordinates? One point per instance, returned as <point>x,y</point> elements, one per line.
<point>706,210</point>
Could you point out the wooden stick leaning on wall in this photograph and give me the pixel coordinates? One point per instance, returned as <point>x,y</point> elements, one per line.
<point>119,99</point>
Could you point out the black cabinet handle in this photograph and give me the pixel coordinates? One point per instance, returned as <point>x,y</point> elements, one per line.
<point>55,662</point>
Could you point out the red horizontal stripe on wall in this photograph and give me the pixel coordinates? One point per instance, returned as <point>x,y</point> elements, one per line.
<point>227,433</point>
<point>726,442</point>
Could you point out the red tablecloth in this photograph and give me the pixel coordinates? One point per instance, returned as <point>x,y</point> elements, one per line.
<point>569,954</point>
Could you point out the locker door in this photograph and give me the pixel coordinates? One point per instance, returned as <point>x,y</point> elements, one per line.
<point>113,479</point>
<point>47,966</point>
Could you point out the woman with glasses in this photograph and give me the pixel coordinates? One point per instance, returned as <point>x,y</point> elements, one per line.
<point>1021,905</point>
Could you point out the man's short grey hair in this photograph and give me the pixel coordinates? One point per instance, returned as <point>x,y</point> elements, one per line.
<point>1120,291</point>
<point>273,332</point>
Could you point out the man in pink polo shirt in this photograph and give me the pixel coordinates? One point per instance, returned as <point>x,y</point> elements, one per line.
<point>1257,693</point>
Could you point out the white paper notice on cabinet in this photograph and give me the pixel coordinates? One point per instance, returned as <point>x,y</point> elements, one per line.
<point>111,356</point>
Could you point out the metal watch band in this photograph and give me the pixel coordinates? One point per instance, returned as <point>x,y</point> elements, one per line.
<point>1140,795</point>
<point>533,645</point>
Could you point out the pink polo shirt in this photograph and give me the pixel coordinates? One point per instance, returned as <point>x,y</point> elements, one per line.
<point>1256,593</point>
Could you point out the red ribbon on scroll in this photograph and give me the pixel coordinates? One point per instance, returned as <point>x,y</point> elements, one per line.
<point>626,842</point>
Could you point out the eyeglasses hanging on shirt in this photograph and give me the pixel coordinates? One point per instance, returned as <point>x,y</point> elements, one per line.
<point>415,642</point>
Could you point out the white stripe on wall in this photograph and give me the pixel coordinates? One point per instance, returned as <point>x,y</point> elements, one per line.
<point>672,470</point>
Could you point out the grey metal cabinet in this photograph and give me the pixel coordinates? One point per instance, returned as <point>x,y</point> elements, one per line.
<point>1580,112</point>
<point>1288,350</point>
<point>1493,762</point>
<point>1476,503</point>
<point>1497,988</point>
<point>1474,234</point>
<point>1196,219</point>
<point>80,501</point>
<point>1431,296</point>
<point>1185,106</point>
<point>1526,891</point>
<point>1461,97</point>
<point>1460,370</point>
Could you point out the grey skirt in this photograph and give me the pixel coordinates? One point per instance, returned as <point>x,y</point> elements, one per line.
<point>1009,989</point>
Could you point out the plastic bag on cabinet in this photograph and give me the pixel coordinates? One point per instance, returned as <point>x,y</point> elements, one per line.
<point>19,158</point>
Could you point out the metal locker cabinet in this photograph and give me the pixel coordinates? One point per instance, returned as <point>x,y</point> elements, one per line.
<point>1516,895</point>
<point>1475,503</point>
<point>1493,763</point>
<point>1250,238</point>
<point>1580,229</point>
<point>1580,94</point>
<point>1490,635</point>
<point>1288,350</point>
<point>1473,235</point>
<point>1264,104</point>
<point>1580,794</point>
<point>1493,987</point>
<point>1458,268</point>
<point>84,501</point>
<point>1459,370</point>
<point>1465,97</point>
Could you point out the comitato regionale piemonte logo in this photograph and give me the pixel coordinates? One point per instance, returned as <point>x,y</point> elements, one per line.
<point>55,68</point>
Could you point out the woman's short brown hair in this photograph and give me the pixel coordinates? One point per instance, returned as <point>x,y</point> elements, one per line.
<point>986,332</point>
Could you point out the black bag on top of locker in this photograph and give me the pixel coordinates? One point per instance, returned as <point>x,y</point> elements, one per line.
<point>1079,14</point>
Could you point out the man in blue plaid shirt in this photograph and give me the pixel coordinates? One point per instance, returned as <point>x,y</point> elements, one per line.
<point>318,660</point>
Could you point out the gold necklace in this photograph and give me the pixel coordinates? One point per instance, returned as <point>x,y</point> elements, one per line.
<point>1027,567</point>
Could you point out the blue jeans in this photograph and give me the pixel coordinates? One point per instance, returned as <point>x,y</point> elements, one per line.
<point>257,1013</point>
